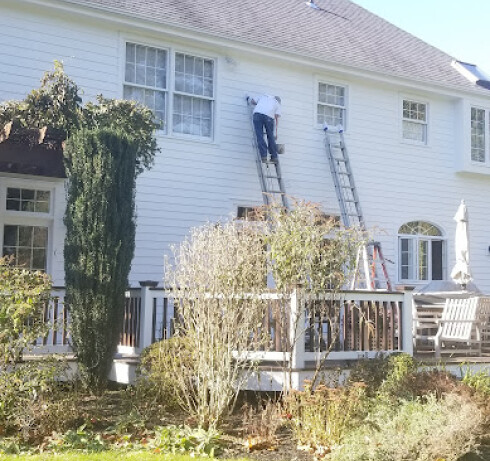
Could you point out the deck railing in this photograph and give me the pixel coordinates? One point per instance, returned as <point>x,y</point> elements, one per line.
<point>349,325</point>
<point>301,327</point>
<point>56,315</point>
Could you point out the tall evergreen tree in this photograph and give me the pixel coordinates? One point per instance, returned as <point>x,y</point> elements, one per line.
<point>100,223</point>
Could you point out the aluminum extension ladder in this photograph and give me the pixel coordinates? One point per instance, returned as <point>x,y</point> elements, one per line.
<point>270,176</point>
<point>370,255</point>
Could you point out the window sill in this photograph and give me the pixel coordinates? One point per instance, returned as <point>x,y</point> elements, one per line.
<point>412,142</point>
<point>473,168</point>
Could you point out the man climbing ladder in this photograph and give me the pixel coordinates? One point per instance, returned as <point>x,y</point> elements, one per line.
<point>265,115</point>
<point>270,176</point>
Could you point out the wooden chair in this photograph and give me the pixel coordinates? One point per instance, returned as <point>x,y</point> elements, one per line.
<point>463,322</point>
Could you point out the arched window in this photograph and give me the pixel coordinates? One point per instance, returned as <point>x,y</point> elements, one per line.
<point>421,248</point>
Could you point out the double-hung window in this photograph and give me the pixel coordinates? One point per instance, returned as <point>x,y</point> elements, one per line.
<point>26,216</point>
<point>331,104</point>
<point>479,128</point>
<point>178,87</point>
<point>193,95</point>
<point>414,121</point>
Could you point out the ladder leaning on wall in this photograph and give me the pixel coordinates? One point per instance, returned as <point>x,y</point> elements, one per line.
<point>370,260</point>
<point>270,176</point>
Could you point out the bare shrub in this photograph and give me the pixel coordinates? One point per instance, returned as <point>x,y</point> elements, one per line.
<point>217,278</point>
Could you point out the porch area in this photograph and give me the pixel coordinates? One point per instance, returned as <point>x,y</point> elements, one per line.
<point>303,330</point>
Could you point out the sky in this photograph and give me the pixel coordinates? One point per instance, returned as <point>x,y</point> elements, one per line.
<point>459,28</point>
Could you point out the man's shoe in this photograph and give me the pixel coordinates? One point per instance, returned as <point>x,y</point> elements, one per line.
<point>274,160</point>
<point>264,159</point>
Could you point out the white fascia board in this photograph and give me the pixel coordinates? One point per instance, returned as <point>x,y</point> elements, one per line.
<point>171,30</point>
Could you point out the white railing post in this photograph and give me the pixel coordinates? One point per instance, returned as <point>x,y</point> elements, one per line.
<point>146,319</point>
<point>297,333</point>
<point>407,321</point>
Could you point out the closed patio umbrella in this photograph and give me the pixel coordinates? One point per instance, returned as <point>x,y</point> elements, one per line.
<point>461,271</point>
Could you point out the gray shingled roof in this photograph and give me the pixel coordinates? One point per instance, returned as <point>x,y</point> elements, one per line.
<point>350,36</point>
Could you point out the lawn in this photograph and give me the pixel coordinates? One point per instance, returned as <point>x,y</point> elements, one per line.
<point>106,456</point>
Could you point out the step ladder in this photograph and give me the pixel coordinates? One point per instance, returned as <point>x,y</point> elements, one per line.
<point>270,176</point>
<point>370,260</point>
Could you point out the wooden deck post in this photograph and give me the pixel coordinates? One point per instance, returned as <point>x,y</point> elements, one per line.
<point>297,332</point>
<point>146,324</point>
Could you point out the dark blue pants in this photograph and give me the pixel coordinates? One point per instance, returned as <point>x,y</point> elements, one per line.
<point>263,122</point>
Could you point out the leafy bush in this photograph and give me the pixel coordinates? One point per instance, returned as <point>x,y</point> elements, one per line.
<point>157,387</point>
<point>414,430</point>
<point>23,297</point>
<point>183,439</point>
<point>55,104</point>
<point>32,401</point>
<point>81,439</point>
<point>370,372</point>
<point>322,417</point>
<point>480,381</point>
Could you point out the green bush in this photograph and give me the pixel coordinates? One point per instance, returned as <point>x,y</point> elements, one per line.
<point>23,297</point>
<point>183,439</point>
<point>480,381</point>
<point>434,429</point>
<point>370,372</point>
<point>322,417</point>
<point>33,403</point>
<point>157,388</point>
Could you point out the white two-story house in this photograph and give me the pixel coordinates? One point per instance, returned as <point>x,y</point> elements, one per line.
<point>416,121</point>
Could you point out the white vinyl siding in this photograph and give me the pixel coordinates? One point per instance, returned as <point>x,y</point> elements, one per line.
<point>414,116</point>
<point>331,104</point>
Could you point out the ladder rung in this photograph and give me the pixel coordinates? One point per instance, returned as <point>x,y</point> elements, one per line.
<point>272,177</point>
<point>340,159</point>
<point>275,192</point>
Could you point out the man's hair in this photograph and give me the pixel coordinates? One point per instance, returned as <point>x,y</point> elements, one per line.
<point>278,99</point>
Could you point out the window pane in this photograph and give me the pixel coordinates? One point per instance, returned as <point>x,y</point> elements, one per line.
<point>436,258</point>
<point>415,110</point>
<point>28,245</point>
<point>419,227</point>
<point>406,259</point>
<point>10,236</point>
<point>423,270</point>
<point>192,116</point>
<point>29,200</point>
<point>477,135</point>
<point>154,100</point>
<point>415,131</point>
<point>146,66</point>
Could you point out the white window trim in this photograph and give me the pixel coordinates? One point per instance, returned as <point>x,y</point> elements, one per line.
<point>28,218</point>
<point>487,135</point>
<point>417,238</point>
<point>328,81</point>
<point>170,91</point>
<point>418,100</point>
